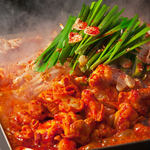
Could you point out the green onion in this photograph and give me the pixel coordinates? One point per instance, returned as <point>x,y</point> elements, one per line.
<point>95,10</point>
<point>138,68</point>
<point>123,38</point>
<point>119,35</point>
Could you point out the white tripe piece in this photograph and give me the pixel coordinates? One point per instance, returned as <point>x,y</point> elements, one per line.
<point>124,81</point>
<point>130,82</point>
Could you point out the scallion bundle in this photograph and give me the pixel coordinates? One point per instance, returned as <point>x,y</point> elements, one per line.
<point>117,36</point>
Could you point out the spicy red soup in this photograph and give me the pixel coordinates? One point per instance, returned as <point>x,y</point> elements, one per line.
<point>58,111</point>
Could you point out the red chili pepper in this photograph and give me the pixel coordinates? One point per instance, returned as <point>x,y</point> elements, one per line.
<point>92,30</point>
<point>74,37</point>
<point>79,24</point>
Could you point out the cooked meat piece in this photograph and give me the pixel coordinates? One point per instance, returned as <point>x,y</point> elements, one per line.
<point>142,130</point>
<point>80,131</point>
<point>105,76</point>
<point>26,133</point>
<point>66,144</point>
<point>125,116</point>
<point>46,97</point>
<point>107,96</point>
<point>27,115</point>
<point>93,108</point>
<point>19,116</point>
<point>65,86</point>
<point>137,98</point>
<point>36,110</point>
<point>75,128</point>
<point>71,104</point>
<point>102,131</point>
<point>46,132</point>
<point>63,95</point>
<point>101,76</point>
<point>66,119</point>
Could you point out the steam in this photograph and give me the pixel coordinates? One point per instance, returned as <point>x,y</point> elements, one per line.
<point>132,7</point>
<point>26,15</point>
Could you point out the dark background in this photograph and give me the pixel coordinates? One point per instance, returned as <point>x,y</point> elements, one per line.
<point>25,15</point>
